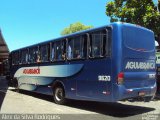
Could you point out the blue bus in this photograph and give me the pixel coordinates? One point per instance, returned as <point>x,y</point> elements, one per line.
<point>104,64</point>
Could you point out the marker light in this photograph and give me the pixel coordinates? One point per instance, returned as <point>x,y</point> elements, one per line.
<point>120,78</point>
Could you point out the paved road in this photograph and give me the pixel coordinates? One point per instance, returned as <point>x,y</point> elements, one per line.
<point>31,103</point>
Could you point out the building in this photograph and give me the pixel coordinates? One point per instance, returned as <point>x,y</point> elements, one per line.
<point>4,52</point>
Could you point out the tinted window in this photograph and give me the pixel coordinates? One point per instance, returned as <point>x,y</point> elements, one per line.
<point>52,52</point>
<point>44,53</point>
<point>33,55</point>
<point>138,39</point>
<point>108,41</point>
<point>99,43</point>
<point>76,48</point>
<point>24,56</point>
<point>59,50</point>
<point>15,58</point>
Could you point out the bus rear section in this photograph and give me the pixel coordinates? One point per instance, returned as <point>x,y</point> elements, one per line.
<point>137,75</point>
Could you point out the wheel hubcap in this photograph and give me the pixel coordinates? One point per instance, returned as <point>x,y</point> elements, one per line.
<point>59,94</point>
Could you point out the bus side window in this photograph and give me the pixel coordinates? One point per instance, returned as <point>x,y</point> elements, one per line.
<point>108,42</point>
<point>70,49</point>
<point>60,53</point>
<point>15,58</point>
<point>52,56</point>
<point>95,44</point>
<point>44,52</point>
<point>33,53</point>
<point>84,46</point>
<point>75,48</point>
<point>24,56</point>
<point>99,44</point>
<point>105,43</point>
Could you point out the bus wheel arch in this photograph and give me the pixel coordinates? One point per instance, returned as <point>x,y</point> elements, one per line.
<point>59,92</point>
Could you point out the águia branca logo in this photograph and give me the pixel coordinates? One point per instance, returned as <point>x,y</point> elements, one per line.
<point>140,65</point>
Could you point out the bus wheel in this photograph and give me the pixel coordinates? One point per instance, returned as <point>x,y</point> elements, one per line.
<point>59,95</point>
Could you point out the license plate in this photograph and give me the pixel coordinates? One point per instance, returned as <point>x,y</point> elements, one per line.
<point>141,93</point>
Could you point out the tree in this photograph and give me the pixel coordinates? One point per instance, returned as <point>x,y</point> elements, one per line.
<point>75,28</point>
<point>141,12</point>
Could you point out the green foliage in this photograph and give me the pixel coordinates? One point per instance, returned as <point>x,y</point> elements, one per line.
<point>75,28</point>
<point>141,12</point>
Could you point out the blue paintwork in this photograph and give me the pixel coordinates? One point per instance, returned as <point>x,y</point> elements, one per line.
<point>84,84</point>
<point>137,80</point>
<point>48,74</point>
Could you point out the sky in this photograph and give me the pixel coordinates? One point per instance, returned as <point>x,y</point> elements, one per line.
<point>27,22</point>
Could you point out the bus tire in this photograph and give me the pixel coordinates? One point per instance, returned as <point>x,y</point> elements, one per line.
<point>59,95</point>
